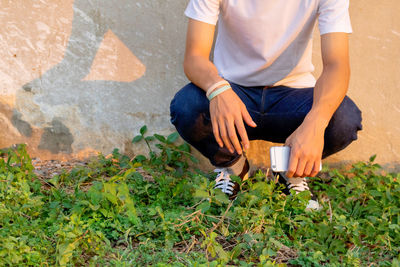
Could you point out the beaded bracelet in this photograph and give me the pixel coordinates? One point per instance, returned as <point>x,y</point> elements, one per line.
<point>215,85</point>
<point>219,91</point>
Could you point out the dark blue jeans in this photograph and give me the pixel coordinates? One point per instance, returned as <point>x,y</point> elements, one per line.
<point>277,111</point>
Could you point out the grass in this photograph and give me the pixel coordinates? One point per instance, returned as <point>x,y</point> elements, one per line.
<point>155,210</point>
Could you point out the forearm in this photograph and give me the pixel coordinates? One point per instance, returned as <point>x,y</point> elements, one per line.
<point>201,71</point>
<point>307,141</point>
<point>329,92</point>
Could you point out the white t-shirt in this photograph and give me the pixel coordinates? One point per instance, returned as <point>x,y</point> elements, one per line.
<point>269,42</point>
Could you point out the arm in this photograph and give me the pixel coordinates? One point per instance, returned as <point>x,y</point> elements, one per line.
<point>227,111</point>
<point>197,65</point>
<point>307,142</point>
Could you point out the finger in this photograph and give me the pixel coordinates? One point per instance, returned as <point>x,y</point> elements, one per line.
<point>242,132</point>
<point>233,137</point>
<point>247,118</point>
<point>308,168</point>
<point>317,165</point>
<point>292,164</point>
<point>288,141</point>
<point>224,136</point>
<point>300,167</point>
<point>216,132</point>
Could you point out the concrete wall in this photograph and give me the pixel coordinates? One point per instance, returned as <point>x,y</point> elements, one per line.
<point>79,76</point>
<point>83,76</point>
<point>374,85</point>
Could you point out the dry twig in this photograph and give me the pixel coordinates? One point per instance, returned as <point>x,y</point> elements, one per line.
<point>222,218</point>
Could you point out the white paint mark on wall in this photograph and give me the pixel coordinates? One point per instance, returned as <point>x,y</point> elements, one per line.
<point>390,147</point>
<point>372,112</point>
<point>383,95</point>
<point>43,27</point>
<point>7,84</point>
<point>396,33</point>
<point>373,37</point>
<point>147,53</point>
<point>380,58</point>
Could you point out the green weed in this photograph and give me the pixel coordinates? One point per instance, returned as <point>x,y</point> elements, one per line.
<point>156,210</point>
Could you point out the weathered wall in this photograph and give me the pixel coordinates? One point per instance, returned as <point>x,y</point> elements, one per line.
<point>374,85</point>
<point>83,76</point>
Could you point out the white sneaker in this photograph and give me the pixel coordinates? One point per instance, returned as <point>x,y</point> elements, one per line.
<point>225,183</point>
<point>298,184</point>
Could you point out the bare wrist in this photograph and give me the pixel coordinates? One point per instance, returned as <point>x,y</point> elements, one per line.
<point>319,120</point>
<point>213,82</point>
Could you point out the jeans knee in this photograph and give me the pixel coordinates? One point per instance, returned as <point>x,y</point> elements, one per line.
<point>343,127</point>
<point>187,104</point>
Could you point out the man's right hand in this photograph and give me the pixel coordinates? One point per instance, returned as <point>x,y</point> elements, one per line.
<point>227,113</point>
<point>226,109</point>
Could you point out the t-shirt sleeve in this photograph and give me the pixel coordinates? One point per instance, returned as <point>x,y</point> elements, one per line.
<point>203,10</point>
<point>334,16</point>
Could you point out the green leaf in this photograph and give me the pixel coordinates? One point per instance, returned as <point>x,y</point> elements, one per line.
<point>172,137</point>
<point>65,253</point>
<point>237,250</point>
<point>160,146</point>
<point>201,194</point>
<point>394,227</point>
<point>140,158</point>
<point>169,155</point>
<point>95,196</point>
<point>194,159</point>
<point>221,197</point>
<point>160,138</point>
<point>372,158</point>
<point>143,130</point>
<point>110,192</point>
<point>222,254</point>
<point>55,181</point>
<point>224,230</point>
<point>112,198</point>
<point>149,138</point>
<point>184,147</point>
<point>137,138</point>
<point>204,207</point>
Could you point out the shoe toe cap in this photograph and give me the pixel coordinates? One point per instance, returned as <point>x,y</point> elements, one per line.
<point>313,205</point>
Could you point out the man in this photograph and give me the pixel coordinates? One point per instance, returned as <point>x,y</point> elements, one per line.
<point>260,86</point>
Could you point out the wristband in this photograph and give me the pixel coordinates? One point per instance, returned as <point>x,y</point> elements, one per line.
<point>219,91</point>
<point>215,85</point>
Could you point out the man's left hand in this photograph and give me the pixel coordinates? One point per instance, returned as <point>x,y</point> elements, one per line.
<point>306,144</point>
